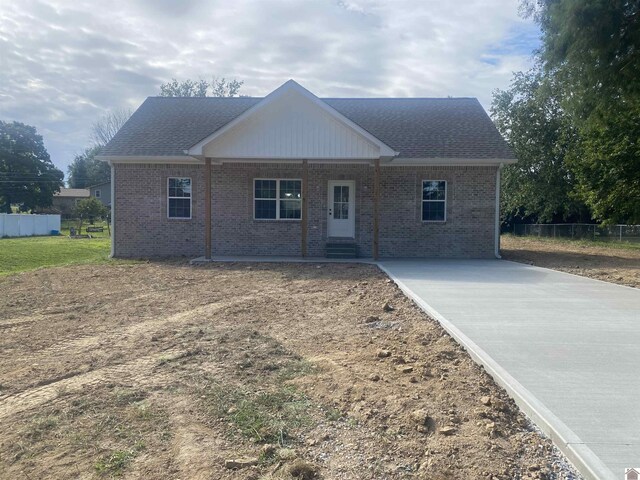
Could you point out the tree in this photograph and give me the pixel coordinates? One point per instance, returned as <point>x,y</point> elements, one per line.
<point>591,46</point>
<point>86,170</point>
<point>27,175</point>
<point>607,164</point>
<point>218,87</point>
<point>105,128</point>
<point>592,50</point>
<point>89,209</point>
<point>540,187</point>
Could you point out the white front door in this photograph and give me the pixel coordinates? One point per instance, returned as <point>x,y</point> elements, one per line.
<point>341,221</point>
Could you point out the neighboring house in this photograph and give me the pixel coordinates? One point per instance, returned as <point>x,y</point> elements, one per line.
<point>102,191</point>
<point>291,174</point>
<point>631,474</point>
<point>66,199</point>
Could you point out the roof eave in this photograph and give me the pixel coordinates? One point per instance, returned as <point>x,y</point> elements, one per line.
<point>187,159</point>
<point>444,161</point>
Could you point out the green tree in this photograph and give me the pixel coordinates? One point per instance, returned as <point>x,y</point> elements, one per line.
<point>218,87</point>
<point>592,50</point>
<point>85,170</point>
<point>540,186</point>
<point>89,209</point>
<point>607,164</point>
<point>27,175</point>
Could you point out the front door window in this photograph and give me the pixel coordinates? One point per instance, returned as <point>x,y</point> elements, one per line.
<point>341,209</point>
<point>341,202</point>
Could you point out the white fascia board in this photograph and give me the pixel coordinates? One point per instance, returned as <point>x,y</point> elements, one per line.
<point>336,161</point>
<point>292,85</point>
<point>397,162</point>
<point>187,159</point>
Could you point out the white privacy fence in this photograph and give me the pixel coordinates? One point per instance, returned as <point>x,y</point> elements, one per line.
<point>25,225</point>
<point>581,231</point>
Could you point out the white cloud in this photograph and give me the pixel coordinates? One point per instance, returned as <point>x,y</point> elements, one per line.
<point>64,64</point>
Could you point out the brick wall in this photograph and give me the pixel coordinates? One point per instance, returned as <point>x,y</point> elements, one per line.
<point>234,231</point>
<point>143,230</point>
<point>469,228</point>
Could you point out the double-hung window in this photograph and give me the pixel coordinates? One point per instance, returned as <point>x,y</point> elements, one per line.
<point>277,199</point>
<point>434,200</point>
<point>179,197</point>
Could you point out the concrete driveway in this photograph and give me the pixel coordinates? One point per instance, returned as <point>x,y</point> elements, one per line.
<point>567,348</point>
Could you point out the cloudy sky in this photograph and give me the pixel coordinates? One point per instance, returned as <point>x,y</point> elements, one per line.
<point>65,63</point>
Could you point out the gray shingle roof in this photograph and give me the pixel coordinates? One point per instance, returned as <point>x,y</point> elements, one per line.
<point>415,127</point>
<point>73,192</point>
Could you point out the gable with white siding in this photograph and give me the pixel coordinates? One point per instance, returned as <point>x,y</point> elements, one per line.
<point>292,123</point>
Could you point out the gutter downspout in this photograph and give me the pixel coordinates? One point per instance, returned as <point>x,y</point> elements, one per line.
<point>113,209</point>
<point>497,222</point>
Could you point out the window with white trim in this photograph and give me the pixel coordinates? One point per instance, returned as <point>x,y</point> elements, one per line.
<point>179,197</point>
<point>434,200</point>
<point>97,194</point>
<point>277,199</point>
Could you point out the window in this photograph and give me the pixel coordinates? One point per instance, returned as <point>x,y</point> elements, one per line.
<point>434,201</point>
<point>277,199</point>
<point>97,193</point>
<point>179,198</point>
<point>341,202</point>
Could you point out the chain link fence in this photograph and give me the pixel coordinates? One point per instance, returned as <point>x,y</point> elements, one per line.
<point>580,231</point>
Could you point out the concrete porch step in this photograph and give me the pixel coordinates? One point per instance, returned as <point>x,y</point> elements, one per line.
<point>341,250</point>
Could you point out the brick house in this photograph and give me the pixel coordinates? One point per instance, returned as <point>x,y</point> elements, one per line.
<point>291,174</point>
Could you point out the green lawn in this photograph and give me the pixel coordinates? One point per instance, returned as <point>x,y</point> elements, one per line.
<point>29,253</point>
<point>612,244</point>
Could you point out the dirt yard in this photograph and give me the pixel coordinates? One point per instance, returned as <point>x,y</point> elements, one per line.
<point>608,263</point>
<point>237,371</point>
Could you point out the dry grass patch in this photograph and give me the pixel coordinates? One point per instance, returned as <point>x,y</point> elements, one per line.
<point>103,430</point>
<point>611,262</point>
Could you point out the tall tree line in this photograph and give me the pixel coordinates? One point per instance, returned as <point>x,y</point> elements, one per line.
<point>574,119</point>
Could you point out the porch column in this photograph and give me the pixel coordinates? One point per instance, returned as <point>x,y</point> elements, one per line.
<point>207,208</point>
<point>376,206</point>
<point>304,217</point>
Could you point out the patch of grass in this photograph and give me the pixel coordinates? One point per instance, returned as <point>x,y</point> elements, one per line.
<point>41,426</point>
<point>254,397</point>
<point>296,368</point>
<point>30,253</point>
<point>127,396</point>
<point>333,414</point>
<point>269,417</point>
<point>110,424</point>
<point>614,245</point>
<point>115,463</point>
<point>352,422</point>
